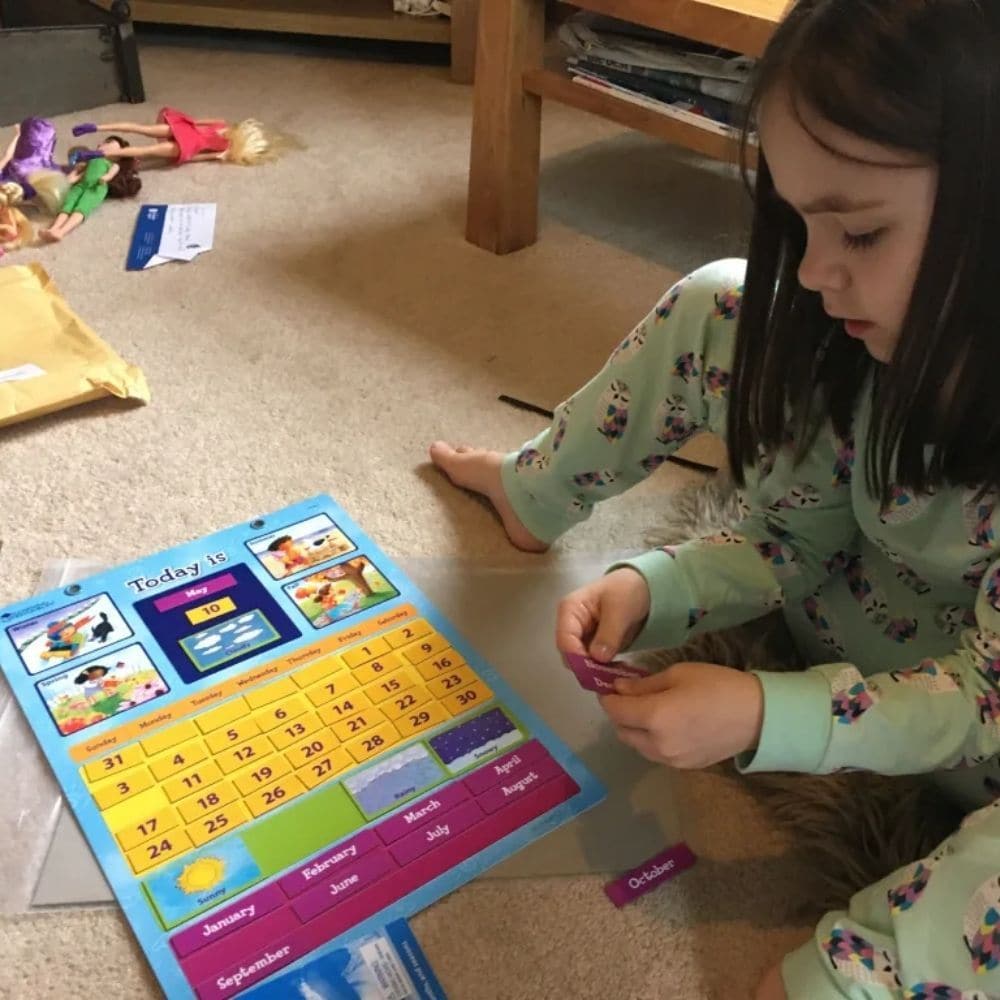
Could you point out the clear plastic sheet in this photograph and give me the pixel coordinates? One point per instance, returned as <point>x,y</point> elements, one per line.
<point>32,799</point>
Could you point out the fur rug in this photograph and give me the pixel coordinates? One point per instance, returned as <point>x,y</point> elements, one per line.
<point>850,829</point>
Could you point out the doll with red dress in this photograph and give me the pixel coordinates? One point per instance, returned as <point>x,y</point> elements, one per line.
<point>183,139</point>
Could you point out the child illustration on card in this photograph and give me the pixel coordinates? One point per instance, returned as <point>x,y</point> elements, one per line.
<point>92,680</point>
<point>292,554</point>
<point>87,695</point>
<point>341,591</point>
<point>64,639</point>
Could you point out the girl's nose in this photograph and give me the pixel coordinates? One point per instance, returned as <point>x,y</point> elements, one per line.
<point>822,271</point>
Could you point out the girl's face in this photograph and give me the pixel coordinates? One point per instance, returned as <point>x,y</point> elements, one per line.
<point>866,213</point>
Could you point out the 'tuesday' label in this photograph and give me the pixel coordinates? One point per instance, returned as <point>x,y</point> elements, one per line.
<point>648,876</point>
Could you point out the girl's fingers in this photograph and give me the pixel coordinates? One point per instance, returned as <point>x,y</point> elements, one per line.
<point>641,741</point>
<point>574,625</point>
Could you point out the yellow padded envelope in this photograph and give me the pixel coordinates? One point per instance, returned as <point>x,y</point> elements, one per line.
<point>49,358</point>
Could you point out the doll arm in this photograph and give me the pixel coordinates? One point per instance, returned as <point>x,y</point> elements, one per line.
<point>208,156</point>
<point>111,174</point>
<point>9,152</point>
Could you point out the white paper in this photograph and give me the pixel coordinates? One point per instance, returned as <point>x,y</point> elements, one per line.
<point>188,230</point>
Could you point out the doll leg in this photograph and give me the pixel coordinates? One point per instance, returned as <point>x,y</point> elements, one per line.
<point>63,226</point>
<point>152,131</point>
<point>54,232</point>
<point>71,223</point>
<point>665,382</point>
<point>159,150</point>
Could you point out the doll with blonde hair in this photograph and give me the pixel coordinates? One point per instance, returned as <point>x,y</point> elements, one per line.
<point>16,229</point>
<point>183,139</point>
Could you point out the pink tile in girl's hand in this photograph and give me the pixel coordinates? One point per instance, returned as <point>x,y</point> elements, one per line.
<point>599,677</point>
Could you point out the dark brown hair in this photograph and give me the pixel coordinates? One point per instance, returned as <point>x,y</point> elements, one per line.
<point>126,183</point>
<point>916,75</point>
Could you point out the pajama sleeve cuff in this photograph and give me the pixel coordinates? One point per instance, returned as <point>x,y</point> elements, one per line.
<point>805,975</point>
<point>669,600</point>
<point>797,724</point>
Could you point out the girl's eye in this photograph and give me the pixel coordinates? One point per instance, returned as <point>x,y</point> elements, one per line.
<point>862,241</point>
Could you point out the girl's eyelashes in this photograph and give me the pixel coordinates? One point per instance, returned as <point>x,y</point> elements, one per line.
<point>863,241</point>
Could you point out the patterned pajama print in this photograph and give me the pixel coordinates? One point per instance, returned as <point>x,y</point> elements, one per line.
<point>899,608</point>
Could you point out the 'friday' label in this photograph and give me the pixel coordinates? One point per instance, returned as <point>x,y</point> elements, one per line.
<point>648,876</point>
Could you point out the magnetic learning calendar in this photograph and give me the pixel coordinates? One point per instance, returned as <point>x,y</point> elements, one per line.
<point>271,740</point>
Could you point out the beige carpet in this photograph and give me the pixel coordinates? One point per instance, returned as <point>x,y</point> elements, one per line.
<point>339,325</point>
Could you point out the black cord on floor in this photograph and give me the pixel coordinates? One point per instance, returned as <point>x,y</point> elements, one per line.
<point>520,404</point>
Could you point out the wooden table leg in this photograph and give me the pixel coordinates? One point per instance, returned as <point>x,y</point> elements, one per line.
<point>464,29</point>
<point>502,210</point>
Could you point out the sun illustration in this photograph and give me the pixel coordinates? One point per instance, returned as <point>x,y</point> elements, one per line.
<point>201,875</point>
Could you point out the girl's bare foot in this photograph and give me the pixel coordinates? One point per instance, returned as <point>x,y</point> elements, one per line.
<point>478,470</point>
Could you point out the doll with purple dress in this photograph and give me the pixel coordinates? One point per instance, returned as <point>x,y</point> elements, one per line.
<point>29,161</point>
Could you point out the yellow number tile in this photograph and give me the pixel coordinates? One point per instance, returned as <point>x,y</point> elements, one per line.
<point>469,697</point>
<point>158,851</point>
<point>271,692</point>
<point>332,687</point>
<point>318,771</point>
<point>169,763</point>
<point>282,791</point>
<point>169,737</point>
<point>373,742</point>
<point>308,676</point>
<point>425,717</point>
<point>425,648</point>
<point>225,714</point>
<point>238,732</point>
<point>391,685</point>
<point>206,612</point>
<point>454,680</point>
<point>216,824</point>
<point>257,775</point>
<point>122,786</point>
<point>362,654</point>
<point>342,708</point>
<point>194,779</point>
<point>407,633</point>
<point>207,800</point>
<point>448,660</point>
<point>347,729</point>
<point>405,701</point>
<point>254,750</point>
<point>311,748</point>
<point>295,730</point>
<point>368,672</point>
<point>275,715</point>
<point>151,825</point>
<point>120,760</point>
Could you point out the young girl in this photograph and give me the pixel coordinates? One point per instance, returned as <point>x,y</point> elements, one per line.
<point>851,364</point>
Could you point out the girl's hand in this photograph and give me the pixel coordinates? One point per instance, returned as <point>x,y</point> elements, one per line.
<point>604,617</point>
<point>690,715</point>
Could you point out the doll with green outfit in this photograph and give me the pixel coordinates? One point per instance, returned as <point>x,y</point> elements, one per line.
<point>92,181</point>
